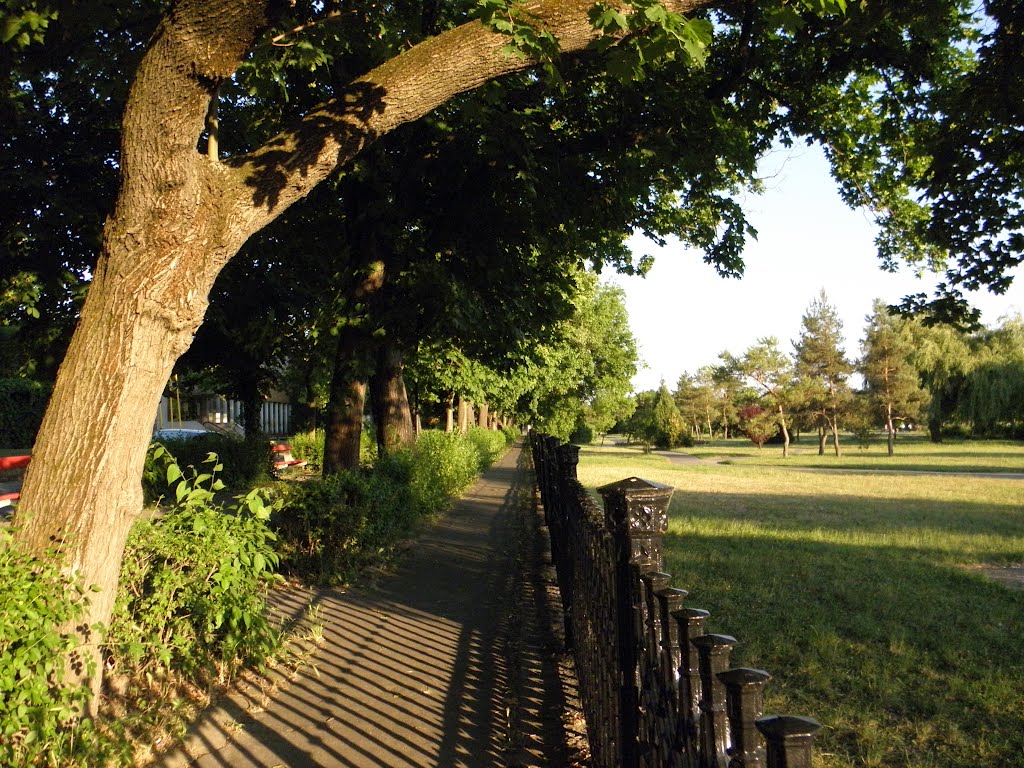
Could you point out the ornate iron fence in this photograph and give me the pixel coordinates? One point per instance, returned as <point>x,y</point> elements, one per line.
<point>656,687</point>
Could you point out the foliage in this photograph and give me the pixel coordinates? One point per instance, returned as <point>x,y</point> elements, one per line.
<point>771,373</point>
<point>759,424</point>
<point>309,446</point>
<point>331,528</point>
<point>892,381</point>
<point>489,445</point>
<point>245,463</point>
<point>822,369</point>
<point>22,403</point>
<point>40,715</point>
<point>194,580</point>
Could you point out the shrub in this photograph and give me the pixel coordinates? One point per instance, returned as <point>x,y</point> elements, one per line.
<point>22,403</point>
<point>39,713</point>
<point>443,464</point>
<point>246,463</point>
<point>310,447</point>
<point>194,581</point>
<point>331,528</point>
<point>489,443</point>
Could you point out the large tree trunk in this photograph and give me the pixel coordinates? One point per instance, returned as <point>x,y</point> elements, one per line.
<point>252,411</point>
<point>449,414</point>
<point>344,428</point>
<point>390,401</point>
<point>179,217</point>
<point>483,416</point>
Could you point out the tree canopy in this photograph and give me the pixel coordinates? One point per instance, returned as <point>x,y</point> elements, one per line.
<point>654,116</point>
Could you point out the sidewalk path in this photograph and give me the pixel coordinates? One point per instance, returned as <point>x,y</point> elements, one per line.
<point>434,665</point>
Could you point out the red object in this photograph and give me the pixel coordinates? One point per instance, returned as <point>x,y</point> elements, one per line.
<point>14,462</point>
<point>8,463</point>
<point>284,459</point>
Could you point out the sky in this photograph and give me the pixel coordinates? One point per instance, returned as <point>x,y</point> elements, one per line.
<point>683,314</point>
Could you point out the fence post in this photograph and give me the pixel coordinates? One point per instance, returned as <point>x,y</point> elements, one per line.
<point>568,460</point>
<point>636,512</point>
<point>713,651</point>
<point>744,689</point>
<point>789,740</point>
<point>691,625</point>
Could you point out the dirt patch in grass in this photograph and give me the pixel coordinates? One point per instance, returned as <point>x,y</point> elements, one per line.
<point>1011,576</point>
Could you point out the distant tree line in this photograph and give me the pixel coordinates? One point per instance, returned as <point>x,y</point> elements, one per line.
<point>911,372</point>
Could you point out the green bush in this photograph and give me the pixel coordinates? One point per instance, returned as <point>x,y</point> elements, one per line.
<point>22,403</point>
<point>245,463</point>
<point>331,528</point>
<point>443,464</point>
<point>489,443</point>
<point>39,713</point>
<point>194,581</point>
<point>309,446</point>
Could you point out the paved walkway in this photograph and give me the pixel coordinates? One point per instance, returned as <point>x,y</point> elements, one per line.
<point>444,663</point>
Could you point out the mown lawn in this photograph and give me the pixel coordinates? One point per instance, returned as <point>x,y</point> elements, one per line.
<point>855,590</point>
<point>913,451</point>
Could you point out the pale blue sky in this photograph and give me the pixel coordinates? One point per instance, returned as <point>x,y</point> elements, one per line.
<point>683,314</point>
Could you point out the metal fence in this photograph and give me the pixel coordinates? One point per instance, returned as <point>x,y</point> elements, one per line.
<point>656,687</point>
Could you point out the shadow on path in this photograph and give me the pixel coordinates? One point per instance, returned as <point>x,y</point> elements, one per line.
<point>411,671</point>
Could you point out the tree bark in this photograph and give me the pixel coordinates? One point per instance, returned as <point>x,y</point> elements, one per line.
<point>180,216</point>
<point>344,428</point>
<point>484,415</point>
<point>449,414</point>
<point>785,433</point>
<point>390,401</point>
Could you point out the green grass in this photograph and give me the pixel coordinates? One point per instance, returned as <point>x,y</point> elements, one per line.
<point>854,589</point>
<point>912,452</point>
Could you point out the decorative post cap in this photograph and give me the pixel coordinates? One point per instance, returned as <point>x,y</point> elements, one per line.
<point>637,507</point>
<point>633,485</point>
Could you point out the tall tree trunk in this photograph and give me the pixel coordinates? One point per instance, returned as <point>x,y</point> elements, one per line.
<point>890,430</point>
<point>482,420</point>
<point>449,414</point>
<point>180,216</point>
<point>252,410</point>
<point>465,414</point>
<point>785,433</point>
<point>834,425</point>
<point>390,401</point>
<point>346,398</point>
<point>821,439</point>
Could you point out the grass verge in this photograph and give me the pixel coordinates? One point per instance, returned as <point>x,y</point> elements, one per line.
<point>855,589</point>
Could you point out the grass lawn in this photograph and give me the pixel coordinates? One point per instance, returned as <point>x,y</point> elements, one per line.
<point>913,451</point>
<point>856,591</point>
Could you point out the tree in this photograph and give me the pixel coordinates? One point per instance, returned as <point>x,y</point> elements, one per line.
<point>892,382</point>
<point>771,373</point>
<point>993,398</point>
<point>181,214</point>
<point>943,358</point>
<point>822,368</point>
<point>759,424</point>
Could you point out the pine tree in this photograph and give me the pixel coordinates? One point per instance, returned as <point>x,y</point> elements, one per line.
<point>823,369</point>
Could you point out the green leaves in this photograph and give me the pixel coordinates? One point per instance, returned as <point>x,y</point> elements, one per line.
<point>647,36</point>
<point>20,27</point>
<point>194,580</point>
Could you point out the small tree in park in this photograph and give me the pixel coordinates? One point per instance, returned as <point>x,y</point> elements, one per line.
<point>891,378</point>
